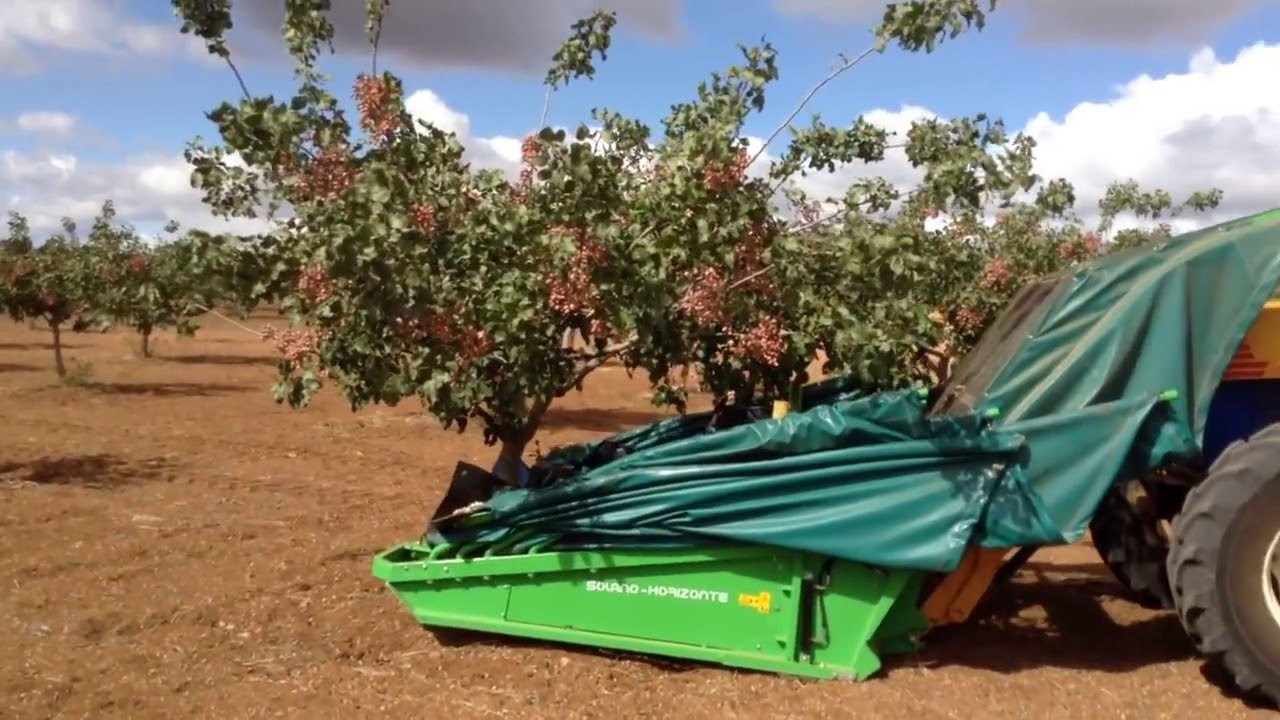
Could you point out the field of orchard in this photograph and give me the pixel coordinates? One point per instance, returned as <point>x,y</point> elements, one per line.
<point>205,437</point>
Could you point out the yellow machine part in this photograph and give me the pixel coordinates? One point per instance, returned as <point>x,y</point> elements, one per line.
<point>960,591</point>
<point>1258,356</point>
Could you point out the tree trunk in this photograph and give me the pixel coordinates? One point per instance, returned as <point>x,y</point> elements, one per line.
<point>56,327</point>
<point>509,464</point>
<point>146,342</point>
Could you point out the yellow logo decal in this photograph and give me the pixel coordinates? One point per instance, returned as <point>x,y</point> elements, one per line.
<point>762,602</point>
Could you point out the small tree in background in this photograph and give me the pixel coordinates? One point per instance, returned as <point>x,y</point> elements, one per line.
<point>52,282</point>
<point>991,261</point>
<point>147,287</point>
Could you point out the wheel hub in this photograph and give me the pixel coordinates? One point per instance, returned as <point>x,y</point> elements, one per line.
<point>1271,578</point>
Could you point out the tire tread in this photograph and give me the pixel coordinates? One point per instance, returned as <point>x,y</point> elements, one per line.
<point>1239,472</point>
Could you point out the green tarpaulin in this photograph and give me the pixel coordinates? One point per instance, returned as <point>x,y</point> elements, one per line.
<point>1078,371</point>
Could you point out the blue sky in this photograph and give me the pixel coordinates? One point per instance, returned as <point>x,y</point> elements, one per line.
<point>143,97</point>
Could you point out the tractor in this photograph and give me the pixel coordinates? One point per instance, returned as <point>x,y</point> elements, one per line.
<point>1135,398</point>
<point>1203,537</point>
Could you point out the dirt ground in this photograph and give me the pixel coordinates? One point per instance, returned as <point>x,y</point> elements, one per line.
<point>174,544</point>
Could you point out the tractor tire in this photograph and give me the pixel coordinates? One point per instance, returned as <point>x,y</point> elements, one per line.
<point>1223,566</point>
<point>1125,543</point>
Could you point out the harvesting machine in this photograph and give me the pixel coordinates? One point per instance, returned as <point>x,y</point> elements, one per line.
<point>1136,398</point>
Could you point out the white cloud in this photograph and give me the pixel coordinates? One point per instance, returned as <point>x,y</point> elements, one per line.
<point>166,179</point>
<point>34,33</point>
<point>147,190</point>
<point>428,107</point>
<point>1127,23</point>
<point>1214,125</point>
<point>39,122</point>
<point>499,152</point>
<point>152,189</point>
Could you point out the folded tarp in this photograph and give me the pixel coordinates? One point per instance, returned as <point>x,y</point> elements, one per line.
<point>1089,376</point>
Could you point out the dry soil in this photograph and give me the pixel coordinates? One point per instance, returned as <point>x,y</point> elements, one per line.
<point>174,544</point>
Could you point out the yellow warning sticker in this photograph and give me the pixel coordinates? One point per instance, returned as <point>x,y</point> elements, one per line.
<point>762,602</point>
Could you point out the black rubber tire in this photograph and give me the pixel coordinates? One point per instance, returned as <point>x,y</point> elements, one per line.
<point>1136,563</point>
<point>1215,561</point>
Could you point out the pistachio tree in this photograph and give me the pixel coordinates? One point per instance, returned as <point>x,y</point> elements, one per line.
<point>52,282</point>
<point>146,286</point>
<point>241,272</point>
<point>990,259</point>
<point>672,250</point>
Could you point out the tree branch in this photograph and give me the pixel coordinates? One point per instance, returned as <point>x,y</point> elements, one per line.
<point>815,223</point>
<point>608,352</point>
<point>377,36</point>
<point>546,109</point>
<point>935,354</point>
<point>239,78</point>
<point>483,414</point>
<point>813,91</point>
<point>592,362</point>
<point>217,314</point>
<point>743,281</point>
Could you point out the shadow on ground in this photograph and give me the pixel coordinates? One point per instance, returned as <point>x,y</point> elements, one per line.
<point>36,346</point>
<point>222,360</point>
<point>1217,677</point>
<point>598,420</point>
<point>1055,623</point>
<point>17,367</point>
<point>1045,622</point>
<point>92,471</point>
<point>156,389</point>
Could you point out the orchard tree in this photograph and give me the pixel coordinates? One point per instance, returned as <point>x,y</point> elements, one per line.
<point>51,282</point>
<point>146,287</point>
<point>15,246</point>
<point>1127,196</point>
<point>988,262</point>
<point>242,271</point>
<point>406,272</point>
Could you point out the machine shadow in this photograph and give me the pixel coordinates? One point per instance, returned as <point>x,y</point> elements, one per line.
<point>1037,621</point>
<point>1062,623</point>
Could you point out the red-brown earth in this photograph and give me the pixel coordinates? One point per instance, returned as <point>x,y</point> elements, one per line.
<point>175,544</point>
